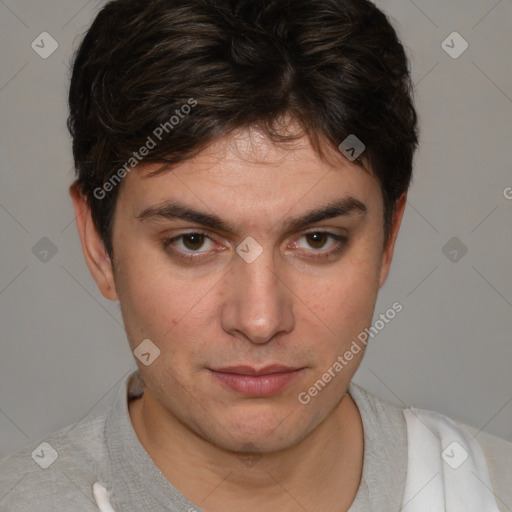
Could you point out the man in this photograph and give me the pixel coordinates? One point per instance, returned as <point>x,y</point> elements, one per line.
<point>243,168</point>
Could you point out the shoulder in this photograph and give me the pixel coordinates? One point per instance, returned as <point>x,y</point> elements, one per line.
<point>55,472</point>
<point>498,454</point>
<point>487,451</point>
<point>382,415</point>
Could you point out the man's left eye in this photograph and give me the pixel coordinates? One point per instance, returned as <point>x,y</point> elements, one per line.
<point>319,239</point>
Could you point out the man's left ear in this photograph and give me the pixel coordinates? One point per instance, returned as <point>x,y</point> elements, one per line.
<point>387,254</point>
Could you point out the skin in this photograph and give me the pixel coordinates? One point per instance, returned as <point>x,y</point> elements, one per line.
<point>285,307</point>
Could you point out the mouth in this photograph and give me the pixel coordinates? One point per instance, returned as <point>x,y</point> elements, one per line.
<point>262,382</point>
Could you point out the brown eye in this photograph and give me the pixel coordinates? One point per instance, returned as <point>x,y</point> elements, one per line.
<point>321,245</point>
<point>317,240</point>
<point>192,245</point>
<point>193,241</point>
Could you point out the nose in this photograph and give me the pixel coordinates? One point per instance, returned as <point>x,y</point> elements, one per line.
<point>258,302</point>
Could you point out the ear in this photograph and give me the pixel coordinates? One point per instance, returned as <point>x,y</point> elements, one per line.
<point>387,254</point>
<point>93,248</point>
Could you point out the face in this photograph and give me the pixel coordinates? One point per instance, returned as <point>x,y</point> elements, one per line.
<point>251,268</point>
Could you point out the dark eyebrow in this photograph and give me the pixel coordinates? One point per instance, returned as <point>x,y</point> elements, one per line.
<point>175,210</point>
<point>346,206</point>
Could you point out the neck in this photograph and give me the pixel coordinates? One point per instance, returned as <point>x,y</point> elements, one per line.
<point>322,471</point>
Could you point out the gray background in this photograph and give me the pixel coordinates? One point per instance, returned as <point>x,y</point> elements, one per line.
<point>63,348</point>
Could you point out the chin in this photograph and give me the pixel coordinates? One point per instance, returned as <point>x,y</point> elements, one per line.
<point>260,430</point>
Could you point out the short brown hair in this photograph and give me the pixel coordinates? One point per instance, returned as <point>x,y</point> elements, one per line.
<point>337,67</point>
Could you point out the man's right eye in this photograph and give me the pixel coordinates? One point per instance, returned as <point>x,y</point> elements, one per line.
<point>187,245</point>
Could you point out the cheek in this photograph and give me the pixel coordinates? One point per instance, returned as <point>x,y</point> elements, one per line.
<point>151,303</point>
<point>346,297</point>
<point>158,305</point>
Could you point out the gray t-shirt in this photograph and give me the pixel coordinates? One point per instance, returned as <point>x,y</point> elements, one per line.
<point>105,448</point>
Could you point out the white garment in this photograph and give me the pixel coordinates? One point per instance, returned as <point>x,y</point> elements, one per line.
<point>102,498</point>
<point>447,470</point>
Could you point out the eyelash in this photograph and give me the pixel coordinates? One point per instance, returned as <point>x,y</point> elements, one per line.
<point>340,247</point>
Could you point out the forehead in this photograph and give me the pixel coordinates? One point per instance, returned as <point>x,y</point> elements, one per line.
<point>246,171</point>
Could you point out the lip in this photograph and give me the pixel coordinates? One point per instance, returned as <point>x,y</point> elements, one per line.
<point>249,370</point>
<point>262,382</point>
